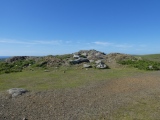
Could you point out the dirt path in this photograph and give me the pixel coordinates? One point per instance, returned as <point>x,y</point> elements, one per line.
<point>105,100</point>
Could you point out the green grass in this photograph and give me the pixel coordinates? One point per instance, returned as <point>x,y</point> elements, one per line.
<point>56,79</point>
<point>151,57</point>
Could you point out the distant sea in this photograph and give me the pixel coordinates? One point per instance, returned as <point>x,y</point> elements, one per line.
<point>5,57</point>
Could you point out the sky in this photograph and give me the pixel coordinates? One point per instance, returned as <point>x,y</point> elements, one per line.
<point>51,27</point>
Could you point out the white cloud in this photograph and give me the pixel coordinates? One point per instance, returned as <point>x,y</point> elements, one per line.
<point>52,42</point>
<point>113,44</point>
<point>102,43</point>
<point>13,41</point>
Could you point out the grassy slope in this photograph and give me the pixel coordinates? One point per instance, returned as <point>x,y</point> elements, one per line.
<point>56,79</point>
<point>151,57</point>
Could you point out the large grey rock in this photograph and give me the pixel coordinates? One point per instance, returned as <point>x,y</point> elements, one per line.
<point>73,62</point>
<point>16,91</point>
<point>80,60</point>
<point>87,66</point>
<point>101,66</point>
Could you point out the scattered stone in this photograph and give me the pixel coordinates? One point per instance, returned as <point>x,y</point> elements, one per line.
<point>46,70</point>
<point>16,91</point>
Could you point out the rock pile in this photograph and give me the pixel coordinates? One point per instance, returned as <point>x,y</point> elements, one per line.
<point>90,58</point>
<point>91,54</point>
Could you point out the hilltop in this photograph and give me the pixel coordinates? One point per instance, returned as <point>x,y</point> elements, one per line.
<point>81,59</point>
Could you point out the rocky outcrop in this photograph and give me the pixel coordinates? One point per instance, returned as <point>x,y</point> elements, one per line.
<point>91,54</point>
<point>83,56</point>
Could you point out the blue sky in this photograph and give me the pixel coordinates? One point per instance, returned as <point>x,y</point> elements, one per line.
<point>50,27</point>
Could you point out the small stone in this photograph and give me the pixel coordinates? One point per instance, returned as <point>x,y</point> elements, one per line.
<point>16,91</point>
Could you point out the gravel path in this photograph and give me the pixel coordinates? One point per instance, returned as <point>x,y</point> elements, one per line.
<point>95,101</point>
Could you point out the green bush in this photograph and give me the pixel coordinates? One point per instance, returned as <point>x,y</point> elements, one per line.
<point>15,66</point>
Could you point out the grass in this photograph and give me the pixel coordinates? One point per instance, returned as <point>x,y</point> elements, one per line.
<point>143,109</point>
<point>57,79</point>
<point>151,57</point>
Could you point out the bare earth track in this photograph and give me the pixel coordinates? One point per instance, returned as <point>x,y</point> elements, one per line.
<point>129,98</point>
